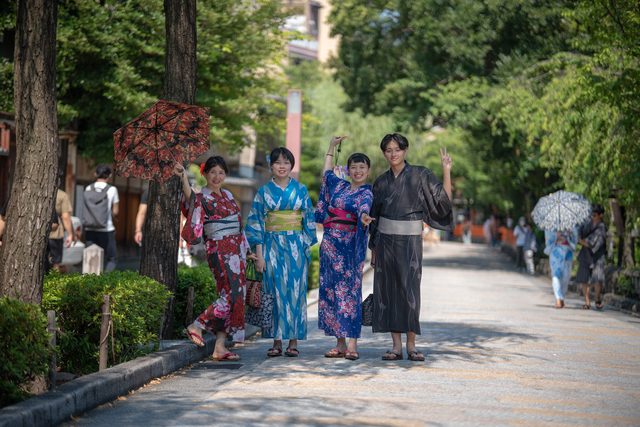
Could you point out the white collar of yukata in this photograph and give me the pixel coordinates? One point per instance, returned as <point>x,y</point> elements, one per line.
<point>209,192</point>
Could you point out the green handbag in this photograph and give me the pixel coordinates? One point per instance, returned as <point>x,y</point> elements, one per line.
<point>251,272</point>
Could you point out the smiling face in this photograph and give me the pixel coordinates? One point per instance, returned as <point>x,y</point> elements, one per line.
<point>215,177</point>
<point>281,167</point>
<point>394,155</point>
<point>358,171</point>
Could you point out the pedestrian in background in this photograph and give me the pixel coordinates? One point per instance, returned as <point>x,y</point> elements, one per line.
<point>592,256</point>
<point>101,206</point>
<point>282,227</point>
<point>343,210</point>
<point>486,230</point>
<point>520,233</point>
<point>530,248</point>
<point>57,241</point>
<point>466,231</point>
<point>560,247</point>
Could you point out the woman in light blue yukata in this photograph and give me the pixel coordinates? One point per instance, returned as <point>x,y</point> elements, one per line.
<point>560,246</point>
<point>343,209</point>
<point>282,227</point>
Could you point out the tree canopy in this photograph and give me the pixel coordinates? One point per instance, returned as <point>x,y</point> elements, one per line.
<point>110,66</point>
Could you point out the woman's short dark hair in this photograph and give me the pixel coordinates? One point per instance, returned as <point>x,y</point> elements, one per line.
<point>596,208</point>
<point>402,142</point>
<point>359,158</point>
<point>214,161</point>
<point>282,151</point>
<point>103,171</point>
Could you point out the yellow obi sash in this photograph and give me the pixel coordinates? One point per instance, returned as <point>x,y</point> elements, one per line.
<point>284,221</point>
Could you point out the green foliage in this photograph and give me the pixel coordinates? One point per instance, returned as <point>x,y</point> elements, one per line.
<point>204,292</point>
<point>137,304</point>
<point>110,66</point>
<point>393,51</point>
<point>313,281</point>
<point>625,286</point>
<point>24,349</point>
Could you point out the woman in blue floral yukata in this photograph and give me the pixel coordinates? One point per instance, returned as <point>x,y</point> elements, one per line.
<point>343,209</point>
<point>281,226</point>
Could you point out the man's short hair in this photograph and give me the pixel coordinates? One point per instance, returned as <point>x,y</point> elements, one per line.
<point>402,142</point>
<point>103,171</point>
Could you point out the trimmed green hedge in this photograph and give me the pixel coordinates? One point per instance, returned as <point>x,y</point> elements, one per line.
<point>24,349</point>
<point>201,278</point>
<point>314,268</point>
<point>137,304</point>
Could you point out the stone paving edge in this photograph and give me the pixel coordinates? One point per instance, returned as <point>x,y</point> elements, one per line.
<point>90,391</point>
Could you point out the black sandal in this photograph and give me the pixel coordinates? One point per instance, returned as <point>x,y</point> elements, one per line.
<point>392,355</point>
<point>415,356</point>
<point>274,352</point>
<point>599,305</point>
<point>290,352</point>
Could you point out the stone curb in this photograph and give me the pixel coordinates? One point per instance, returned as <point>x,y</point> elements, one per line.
<point>90,391</point>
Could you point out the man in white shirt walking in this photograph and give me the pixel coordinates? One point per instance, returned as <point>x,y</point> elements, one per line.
<point>98,215</point>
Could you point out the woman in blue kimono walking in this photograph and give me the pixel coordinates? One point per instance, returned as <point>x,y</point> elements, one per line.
<point>343,209</point>
<point>281,226</point>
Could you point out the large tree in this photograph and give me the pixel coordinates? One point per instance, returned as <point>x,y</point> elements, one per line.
<point>34,181</point>
<point>162,225</point>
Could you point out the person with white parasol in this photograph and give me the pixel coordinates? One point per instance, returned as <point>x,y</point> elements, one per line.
<point>559,215</point>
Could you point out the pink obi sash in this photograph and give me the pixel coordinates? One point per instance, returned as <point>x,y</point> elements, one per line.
<point>339,219</point>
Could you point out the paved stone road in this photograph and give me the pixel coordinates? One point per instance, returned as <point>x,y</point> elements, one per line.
<point>498,354</point>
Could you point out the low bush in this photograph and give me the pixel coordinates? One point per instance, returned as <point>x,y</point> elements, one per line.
<point>24,349</point>
<point>201,278</point>
<point>314,268</point>
<point>137,304</point>
<point>625,286</point>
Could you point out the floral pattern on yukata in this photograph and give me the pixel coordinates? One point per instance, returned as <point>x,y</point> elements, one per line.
<point>226,257</point>
<point>342,255</point>
<point>287,255</point>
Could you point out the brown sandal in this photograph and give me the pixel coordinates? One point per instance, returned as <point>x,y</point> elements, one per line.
<point>335,353</point>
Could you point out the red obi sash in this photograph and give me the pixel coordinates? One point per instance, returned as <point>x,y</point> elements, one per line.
<point>339,219</point>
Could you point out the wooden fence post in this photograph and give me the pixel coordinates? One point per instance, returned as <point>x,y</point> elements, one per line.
<point>190,300</point>
<point>52,329</point>
<point>104,331</point>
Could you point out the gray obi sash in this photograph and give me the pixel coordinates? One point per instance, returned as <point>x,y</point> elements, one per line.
<point>217,228</point>
<point>400,228</point>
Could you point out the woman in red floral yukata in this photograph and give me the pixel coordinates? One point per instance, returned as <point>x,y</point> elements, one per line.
<point>214,215</point>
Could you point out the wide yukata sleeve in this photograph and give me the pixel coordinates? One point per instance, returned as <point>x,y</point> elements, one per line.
<point>308,219</point>
<point>599,238</point>
<point>364,206</point>
<point>375,213</point>
<point>438,211</point>
<point>255,228</point>
<point>550,238</point>
<point>329,182</point>
<point>194,212</point>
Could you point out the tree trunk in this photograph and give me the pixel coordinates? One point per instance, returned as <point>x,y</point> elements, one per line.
<point>162,224</point>
<point>628,248</point>
<point>34,188</point>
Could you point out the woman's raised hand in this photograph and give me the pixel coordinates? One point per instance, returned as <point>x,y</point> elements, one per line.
<point>366,219</point>
<point>336,140</point>
<point>446,160</point>
<point>178,169</point>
